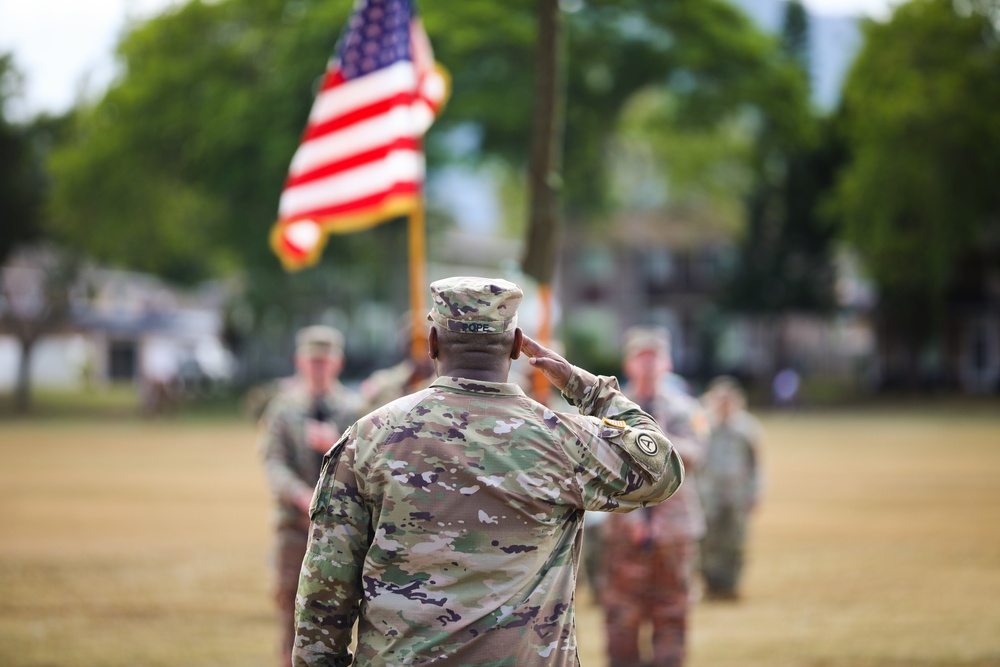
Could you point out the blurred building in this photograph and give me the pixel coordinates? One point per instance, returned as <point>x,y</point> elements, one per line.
<point>671,272</point>
<point>117,326</point>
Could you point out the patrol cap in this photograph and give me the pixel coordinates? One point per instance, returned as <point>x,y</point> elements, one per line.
<point>725,386</point>
<point>645,338</point>
<point>468,304</point>
<point>319,341</point>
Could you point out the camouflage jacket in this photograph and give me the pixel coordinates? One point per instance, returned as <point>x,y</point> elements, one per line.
<point>450,521</point>
<point>681,518</point>
<point>291,466</point>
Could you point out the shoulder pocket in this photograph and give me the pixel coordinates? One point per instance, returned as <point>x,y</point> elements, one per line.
<point>648,451</point>
<point>321,494</point>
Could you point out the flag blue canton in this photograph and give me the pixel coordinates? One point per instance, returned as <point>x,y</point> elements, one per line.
<point>377,36</point>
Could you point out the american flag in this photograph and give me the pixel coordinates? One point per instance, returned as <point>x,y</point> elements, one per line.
<point>360,161</point>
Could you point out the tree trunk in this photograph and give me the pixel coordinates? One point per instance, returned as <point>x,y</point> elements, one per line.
<point>544,175</point>
<point>22,391</point>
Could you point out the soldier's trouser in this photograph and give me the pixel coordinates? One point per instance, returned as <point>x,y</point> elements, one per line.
<point>653,585</point>
<point>722,550</point>
<point>291,549</point>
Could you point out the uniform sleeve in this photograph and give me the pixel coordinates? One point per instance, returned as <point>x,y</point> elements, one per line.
<point>754,436</point>
<point>330,590</point>
<point>622,458</point>
<point>276,448</point>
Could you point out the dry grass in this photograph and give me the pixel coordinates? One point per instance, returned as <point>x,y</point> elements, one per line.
<point>878,545</point>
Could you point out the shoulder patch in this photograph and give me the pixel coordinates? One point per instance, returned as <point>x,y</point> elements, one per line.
<point>648,451</point>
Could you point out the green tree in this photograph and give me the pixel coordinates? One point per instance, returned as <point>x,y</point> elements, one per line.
<point>918,197</point>
<point>177,169</point>
<point>21,182</point>
<point>35,276</point>
<point>785,258</point>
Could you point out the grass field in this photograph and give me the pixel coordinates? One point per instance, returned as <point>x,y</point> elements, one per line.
<point>134,543</point>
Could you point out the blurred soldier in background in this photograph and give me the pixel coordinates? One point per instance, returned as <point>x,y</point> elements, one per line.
<point>299,426</point>
<point>387,384</point>
<point>729,484</point>
<point>649,555</point>
<point>409,375</point>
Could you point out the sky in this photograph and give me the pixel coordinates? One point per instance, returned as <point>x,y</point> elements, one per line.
<point>64,48</point>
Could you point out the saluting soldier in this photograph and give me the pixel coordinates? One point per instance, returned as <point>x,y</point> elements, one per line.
<point>449,521</point>
<point>649,556</point>
<point>299,426</point>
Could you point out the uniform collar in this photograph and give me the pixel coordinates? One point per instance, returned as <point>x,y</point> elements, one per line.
<point>478,386</point>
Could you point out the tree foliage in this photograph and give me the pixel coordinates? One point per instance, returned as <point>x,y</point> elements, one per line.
<point>21,182</point>
<point>919,190</point>
<point>177,169</point>
<point>785,258</point>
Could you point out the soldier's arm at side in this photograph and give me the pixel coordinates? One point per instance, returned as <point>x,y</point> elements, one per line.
<point>330,589</point>
<point>275,448</point>
<point>755,437</point>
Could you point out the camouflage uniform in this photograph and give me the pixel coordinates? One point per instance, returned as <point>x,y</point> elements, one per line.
<point>292,467</point>
<point>451,523</point>
<point>728,483</point>
<point>648,556</point>
<point>387,384</point>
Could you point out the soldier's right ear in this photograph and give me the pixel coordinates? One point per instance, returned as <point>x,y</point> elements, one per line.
<point>515,350</point>
<point>432,343</point>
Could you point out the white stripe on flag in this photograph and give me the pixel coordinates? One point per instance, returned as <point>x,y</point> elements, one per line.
<point>350,95</point>
<point>354,139</point>
<point>369,179</point>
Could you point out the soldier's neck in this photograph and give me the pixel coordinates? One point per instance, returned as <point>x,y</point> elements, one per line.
<point>481,374</point>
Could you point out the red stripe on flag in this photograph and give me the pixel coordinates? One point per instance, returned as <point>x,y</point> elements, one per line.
<point>333,78</point>
<point>355,160</point>
<point>357,115</point>
<point>356,205</point>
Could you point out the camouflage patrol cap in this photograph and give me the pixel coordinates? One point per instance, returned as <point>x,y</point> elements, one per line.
<point>645,338</point>
<point>475,305</point>
<point>318,341</point>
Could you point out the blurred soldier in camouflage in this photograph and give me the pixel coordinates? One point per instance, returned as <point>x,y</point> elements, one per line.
<point>449,521</point>
<point>299,426</point>
<point>409,375</point>
<point>648,556</point>
<point>729,484</point>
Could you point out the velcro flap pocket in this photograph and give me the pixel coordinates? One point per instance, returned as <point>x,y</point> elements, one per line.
<point>648,451</point>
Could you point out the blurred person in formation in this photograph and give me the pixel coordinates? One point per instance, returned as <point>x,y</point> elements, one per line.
<point>300,424</point>
<point>387,384</point>
<point>448,522</point>
<point>648,556</point>
<point>405,377</point>
<point>729,486</point>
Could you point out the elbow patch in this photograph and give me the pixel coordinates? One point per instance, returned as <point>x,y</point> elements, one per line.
<point>648,451</point>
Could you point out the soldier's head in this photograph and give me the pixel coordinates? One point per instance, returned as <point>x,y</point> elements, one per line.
<point>474,325</point>
<point>319,357</point>
<point>724,396</point>
<point>646,357</point>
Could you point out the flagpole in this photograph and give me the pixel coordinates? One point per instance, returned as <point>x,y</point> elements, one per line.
<point>539,383</point>
<point>417,243</point>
